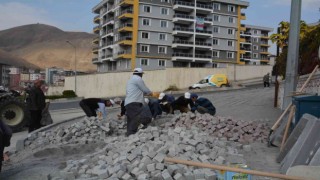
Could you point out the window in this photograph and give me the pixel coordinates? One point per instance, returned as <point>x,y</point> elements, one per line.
<point>216,29</point>
<point>255,47</point>
<point>144,62</point>
<point>230,55</point>
<point>230,43</point>
<point>255,55</point>
<point>163,24</point>
<point>215,42</point>
<point>230,31</point>
<point>162,37</point>
<point>162,63</point>
<point>215,53</point>
<point>145,35</point>
<point>146,22</point>
<point>164,11</point>
<point>216,6</point>
<point>231,20</point>
<point>255,32</point>
<point>162,50</point>
<point>216,18</point>
<point>255,39</point>
<point>147,9</point>
<point>231,8</point>
<point>165,1</point>
<point>144,48</point>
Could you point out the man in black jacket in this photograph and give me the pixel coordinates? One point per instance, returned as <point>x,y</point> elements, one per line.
<point>182,103</point>
<point>90,106</point>
<point>36,103</point>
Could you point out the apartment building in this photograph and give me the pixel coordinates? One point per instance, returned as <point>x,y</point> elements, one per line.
<point>254,47</point>
<point>155,34</point>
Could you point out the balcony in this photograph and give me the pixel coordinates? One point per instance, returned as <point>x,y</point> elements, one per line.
<point>203,33</point>
<point>95,40</point>
<point>247,49</point>
<point>243,27</point>
<point>183,19</point>
<point>264,52</point>
<point>96,29</point>
<point>96,19</point>
<point>126,27</point>
<point>264,44</point>
<point>109,33</point>
<point>204,8</point>
<point>108,57</point>
<point>125,3</point>
<point>189,57</point>
<point>126,14</point>
<point>207,20</point>
<point>127,40</point>
<point>182,44</point>
<point>245,34</point>
<point>124,55</point>
<point>109,21</point>
<point>182,31</point>
<point>183,6</point>
<point>243,16</point>
<point>264,36</point>
<point>95,50</point>
<point>242,40</point>
<point>95,60</point>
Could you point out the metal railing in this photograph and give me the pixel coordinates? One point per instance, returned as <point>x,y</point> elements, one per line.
<point>243,48</point>
<point>189,55</point>
<point>182,42</point>
<point>96,27</point>
<point>124,52</point>
<point>199,43</point>
<point>205,32</point>
<point>125,25</point>
<point>183,3</point>
<point>204,6</point>
<point>109,43</point>
<point>94,59</point>
<point>125,38</point>
<point>182,29</point>
<point>96,17</point>
<point>130,11</point>
<point>109,31</point>
<point>183,16</point>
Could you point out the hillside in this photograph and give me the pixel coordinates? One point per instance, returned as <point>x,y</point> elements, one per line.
<point>9,59</point>
<point>45,46</point>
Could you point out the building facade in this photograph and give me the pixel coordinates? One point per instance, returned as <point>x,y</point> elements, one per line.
<point>4,75</point>
<point>155,34</point>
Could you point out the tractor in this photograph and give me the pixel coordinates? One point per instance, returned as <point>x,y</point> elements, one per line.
<point>13,111</point>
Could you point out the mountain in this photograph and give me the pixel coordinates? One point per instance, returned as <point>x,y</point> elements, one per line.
<point>45,46</point>
<point>9,59</point>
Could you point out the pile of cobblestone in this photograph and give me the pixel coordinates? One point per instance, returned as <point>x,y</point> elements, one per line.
<point>139,156</point>
<point>222,127</point>
<point>87,130</point>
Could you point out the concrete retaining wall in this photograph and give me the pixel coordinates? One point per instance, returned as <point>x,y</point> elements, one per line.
<point>114,84</point>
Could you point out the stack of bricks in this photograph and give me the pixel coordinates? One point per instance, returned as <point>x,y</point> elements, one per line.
<point>233,130</point>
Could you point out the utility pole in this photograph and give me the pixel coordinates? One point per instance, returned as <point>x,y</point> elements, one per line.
<point>293,52</point>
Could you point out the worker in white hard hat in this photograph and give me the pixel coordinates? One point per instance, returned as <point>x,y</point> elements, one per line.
<point>183,103</point>
<point>165,101</point>
<point>135,91</point>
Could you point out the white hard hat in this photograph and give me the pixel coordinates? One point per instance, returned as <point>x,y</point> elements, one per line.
<point>187,95</point>
<point>161,96</point>
<point>138,71</point>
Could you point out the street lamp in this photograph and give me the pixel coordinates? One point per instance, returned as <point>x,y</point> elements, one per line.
<point>75,66</point>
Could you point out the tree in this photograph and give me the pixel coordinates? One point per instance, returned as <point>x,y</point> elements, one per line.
<point>282,39</point>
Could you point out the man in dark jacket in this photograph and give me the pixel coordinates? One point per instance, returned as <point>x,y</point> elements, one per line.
<point>154,107</point>
<point>202,105</point>
<point>182,103</point>
<point>36,103</point>
<point>165,101</point>
<point>90,106</point>
<point>5,137</point>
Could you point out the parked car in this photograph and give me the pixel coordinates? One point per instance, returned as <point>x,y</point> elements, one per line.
<point>215,80</point>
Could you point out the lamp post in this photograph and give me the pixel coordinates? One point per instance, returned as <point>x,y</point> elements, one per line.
<point>75,66</point>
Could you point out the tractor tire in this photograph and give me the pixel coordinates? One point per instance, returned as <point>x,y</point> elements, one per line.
<point>14,113</point>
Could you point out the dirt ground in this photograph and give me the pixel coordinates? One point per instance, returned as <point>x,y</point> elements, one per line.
<point>253,104</point>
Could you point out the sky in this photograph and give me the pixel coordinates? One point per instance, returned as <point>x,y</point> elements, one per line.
<point>76,15</point>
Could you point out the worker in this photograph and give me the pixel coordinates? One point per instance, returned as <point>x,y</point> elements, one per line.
<point>36,103</point>
<point>135,91</point>
<point>202,105</point>
<point>90,106</point>
<point>183,103</point>
<point>154,107</point>
<point>165,101</point>
<point>120,102</point>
